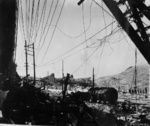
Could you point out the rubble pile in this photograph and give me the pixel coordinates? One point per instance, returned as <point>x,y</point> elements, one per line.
<point>133,114</point>
<point>118,115</point>
<point>29,105</point>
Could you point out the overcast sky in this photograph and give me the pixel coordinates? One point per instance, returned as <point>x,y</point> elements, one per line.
<point>73,40</point>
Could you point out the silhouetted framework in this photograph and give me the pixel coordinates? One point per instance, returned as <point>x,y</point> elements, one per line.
<point>131,21</point>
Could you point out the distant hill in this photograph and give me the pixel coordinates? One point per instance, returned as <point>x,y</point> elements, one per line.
<point>125,80</point>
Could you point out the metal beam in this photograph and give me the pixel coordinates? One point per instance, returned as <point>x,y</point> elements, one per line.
<point>144,47</point>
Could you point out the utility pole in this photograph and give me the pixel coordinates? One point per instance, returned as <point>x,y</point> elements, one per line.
<point>62,75</point>
<point>31,46</point>
<point>93,85</point>
<point>135,78</point>
<point>34,64</point>
<point>93,79</point>
<point>26,55</point>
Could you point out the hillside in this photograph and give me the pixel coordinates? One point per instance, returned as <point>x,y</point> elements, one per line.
<point>125,80</point>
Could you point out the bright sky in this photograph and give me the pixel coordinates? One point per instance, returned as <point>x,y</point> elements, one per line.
<point>75,40</point>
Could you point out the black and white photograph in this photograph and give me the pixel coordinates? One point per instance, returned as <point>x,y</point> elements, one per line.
<point>75,62</point>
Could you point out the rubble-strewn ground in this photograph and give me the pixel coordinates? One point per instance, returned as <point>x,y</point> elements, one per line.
<point>108,115</point>
<point>130,110</point>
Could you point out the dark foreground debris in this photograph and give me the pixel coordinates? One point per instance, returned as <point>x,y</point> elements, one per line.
<point>26,104</point>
